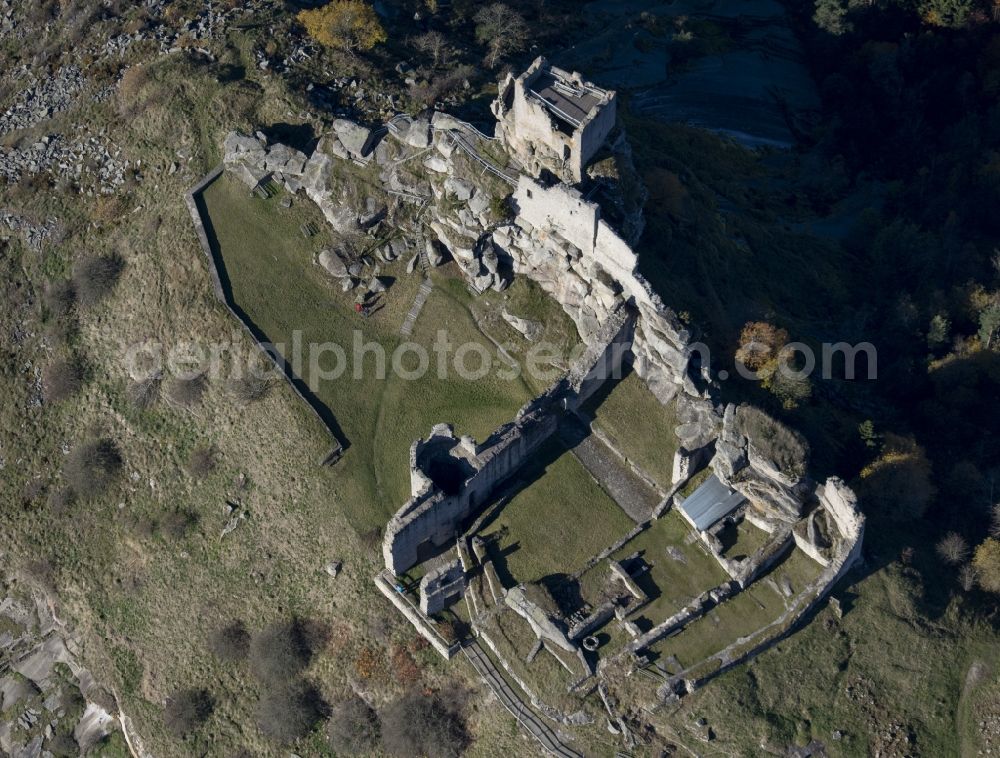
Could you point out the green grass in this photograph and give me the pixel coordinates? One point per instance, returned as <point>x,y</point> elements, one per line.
<point>640,427</point>
<point>557,522</point>
<point>672,584</point>
<point>886,667</point>
<point>743,540</point>
<point>751,609</point>
<point>275,282</point>
<point>755,607</point>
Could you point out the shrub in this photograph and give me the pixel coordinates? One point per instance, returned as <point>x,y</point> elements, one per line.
<point>179,523</point>
<point>187,710</point>
<point>404,669</point>
<point>898,484</point>
<point>231,642</point>
<point>62,379</point>
<point>187,392</point>
<point>345,25</point>
<point>95,277</point>
<point>417,724</point>
<point>290,710</point>
<point>62,745</point>
<point>249,389</point>
<point>93,467</point>
<point>201,462</point>
<point>353,727</point>
<point>987,565</point>
<point>283,649</point>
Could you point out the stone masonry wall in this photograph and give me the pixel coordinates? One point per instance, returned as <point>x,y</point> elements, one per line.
<point>435,518</point>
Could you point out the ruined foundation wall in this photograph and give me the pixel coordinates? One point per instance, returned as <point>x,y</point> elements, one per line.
<point>434,518</point>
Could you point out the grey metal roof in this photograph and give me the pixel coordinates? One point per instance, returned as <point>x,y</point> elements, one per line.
<point>569,102</point>
<point>712,501</point>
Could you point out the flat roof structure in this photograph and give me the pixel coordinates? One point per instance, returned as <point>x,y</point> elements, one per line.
<point>711,502</point>
<point>565,99</point>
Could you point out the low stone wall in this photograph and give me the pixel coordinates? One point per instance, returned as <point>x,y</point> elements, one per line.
<point>191,199</point>
<point>419,621</point>
<point>749,647</point>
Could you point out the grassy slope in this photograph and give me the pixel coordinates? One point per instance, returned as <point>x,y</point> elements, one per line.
<point>275,282</point>
<point>145,603</point>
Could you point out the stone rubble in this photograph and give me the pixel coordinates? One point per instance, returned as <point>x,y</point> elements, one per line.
<point>88,161</point>
<point>43,99</point>
<point>34,235</point>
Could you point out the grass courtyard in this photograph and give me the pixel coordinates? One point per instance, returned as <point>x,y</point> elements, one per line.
<point>756,606</point>
<point>273,279</point>
<point>680,569</point>
<point>555,523</point>
<point>640,427</point>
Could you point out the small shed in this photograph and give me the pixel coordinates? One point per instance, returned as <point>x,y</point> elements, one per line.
<point>711,502</point>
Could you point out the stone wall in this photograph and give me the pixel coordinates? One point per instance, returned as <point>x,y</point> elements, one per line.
<point>432,518</point>
<point>442,587</point>
<point>561,242</point>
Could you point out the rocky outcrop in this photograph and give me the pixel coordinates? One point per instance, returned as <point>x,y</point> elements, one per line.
<point>544,627</point>
<point>743,462</point>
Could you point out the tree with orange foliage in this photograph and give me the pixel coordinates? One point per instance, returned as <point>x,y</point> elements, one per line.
<point>348,25</point>
<point>761,345</point>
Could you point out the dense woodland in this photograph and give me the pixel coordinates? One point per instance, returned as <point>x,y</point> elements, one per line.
<point>911,98</point>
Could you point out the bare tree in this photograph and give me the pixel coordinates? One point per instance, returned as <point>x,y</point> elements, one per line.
<point>502,29</point>
<point>435,45</point>
<point>967,577</point>
<point>93,467</point>
<point>62,379</point>
<point>202,461</point>
<point>995,526</point>
<point>187,393</point>
<point>953,549</point>
<point>288,711</point>
<point>95,277</point>
<point>231,642</point>
<point>419,724</point>
<point>353,727</point>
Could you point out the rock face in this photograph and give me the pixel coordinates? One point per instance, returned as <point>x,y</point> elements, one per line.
<point>333,263</point>
<point>559,240</point>
<point>353,137</point>
<point>530,330</point>
<point>539,621</point>
<point>744,462</point>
